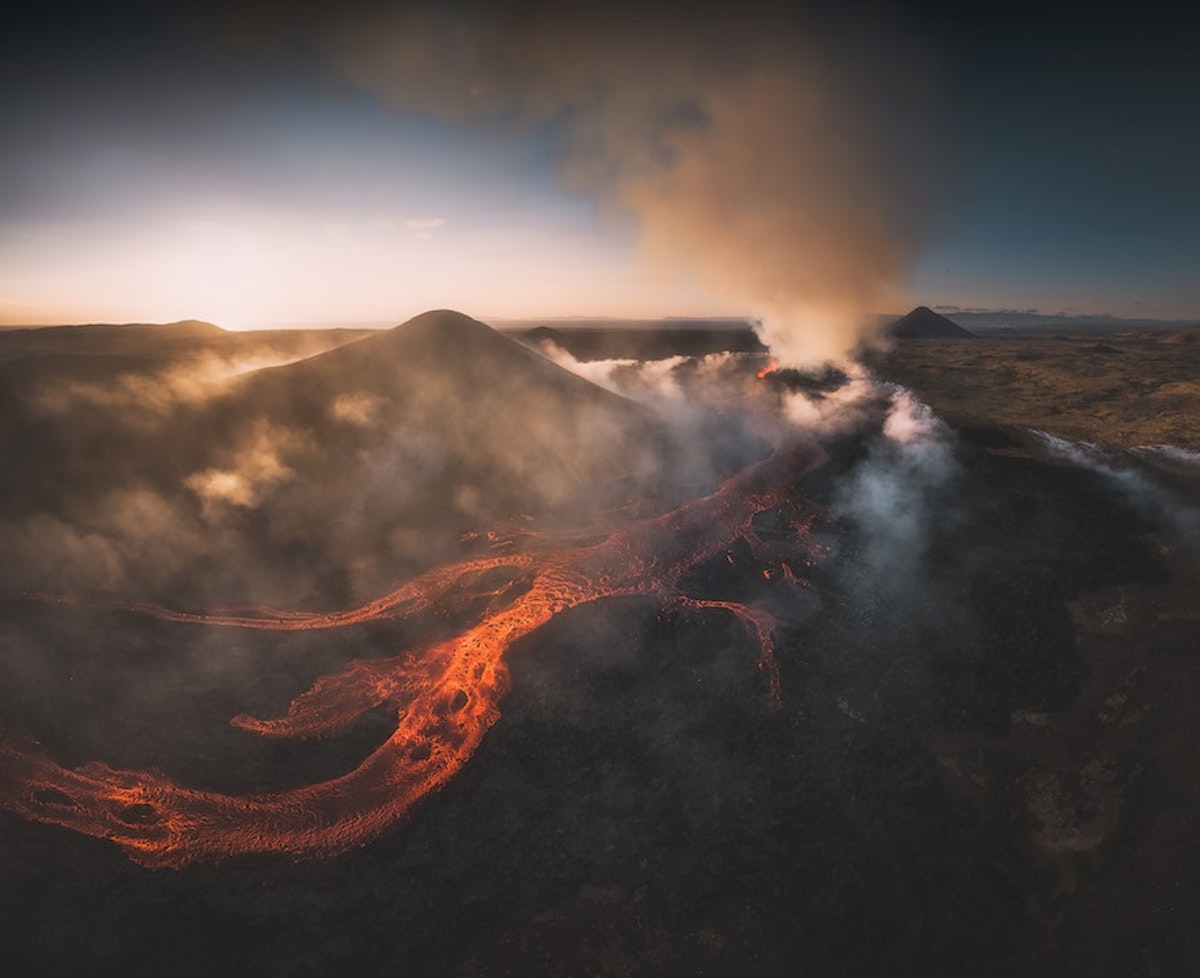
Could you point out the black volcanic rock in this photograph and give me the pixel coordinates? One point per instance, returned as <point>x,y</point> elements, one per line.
<point>924,323</point>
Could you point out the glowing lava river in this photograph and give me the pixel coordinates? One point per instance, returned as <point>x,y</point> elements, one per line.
<point>446,693</point>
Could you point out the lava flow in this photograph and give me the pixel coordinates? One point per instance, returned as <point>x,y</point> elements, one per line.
<point>446,693</point>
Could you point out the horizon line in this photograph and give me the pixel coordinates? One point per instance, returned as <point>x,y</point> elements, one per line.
<point>583,318</point>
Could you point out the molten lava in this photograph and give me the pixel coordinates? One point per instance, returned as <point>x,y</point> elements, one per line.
<point>446,693</point>
<point>769,368</point>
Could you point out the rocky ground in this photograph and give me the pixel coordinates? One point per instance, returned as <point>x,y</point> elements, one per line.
<point>1103,794</point>
<point>983,761</point>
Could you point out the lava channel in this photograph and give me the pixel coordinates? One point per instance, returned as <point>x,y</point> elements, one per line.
<point>445,693</point>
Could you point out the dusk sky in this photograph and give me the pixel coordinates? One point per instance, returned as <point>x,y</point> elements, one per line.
<point>267,163</point>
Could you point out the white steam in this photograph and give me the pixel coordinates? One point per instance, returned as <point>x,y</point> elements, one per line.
<point>1137,474</point>
<point>893,495</point>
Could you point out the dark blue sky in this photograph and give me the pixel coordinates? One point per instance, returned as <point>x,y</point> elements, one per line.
<point>221,163</point>
<point>1076,135</point>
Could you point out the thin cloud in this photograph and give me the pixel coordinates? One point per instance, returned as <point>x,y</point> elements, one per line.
<point>423,227</point>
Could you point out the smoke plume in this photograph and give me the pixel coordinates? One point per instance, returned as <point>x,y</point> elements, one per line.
<point>780,159</point>
<point>897,493</point>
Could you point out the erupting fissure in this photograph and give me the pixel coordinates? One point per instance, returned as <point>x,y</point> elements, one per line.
<point>445,693</point>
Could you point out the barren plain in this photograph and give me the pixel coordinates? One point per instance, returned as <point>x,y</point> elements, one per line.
<point>1117,389</point>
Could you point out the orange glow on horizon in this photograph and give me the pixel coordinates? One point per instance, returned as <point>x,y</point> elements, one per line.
<point>255,268</point>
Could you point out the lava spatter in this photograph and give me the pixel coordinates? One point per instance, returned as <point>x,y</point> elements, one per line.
<point>446,693</point>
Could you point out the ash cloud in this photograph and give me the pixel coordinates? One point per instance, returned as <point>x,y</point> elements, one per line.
<point>783,158</point>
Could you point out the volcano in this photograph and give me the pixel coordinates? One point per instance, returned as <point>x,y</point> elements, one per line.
<point>377,679</point>
<point>924,323</point>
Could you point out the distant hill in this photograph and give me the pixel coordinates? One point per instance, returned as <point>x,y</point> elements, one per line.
<point>149,342</point>
<point>924,323</point>
<point>139,339</point>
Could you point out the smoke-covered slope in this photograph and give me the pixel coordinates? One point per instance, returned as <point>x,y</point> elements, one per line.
<point>342,470</point>
<point>467,418</point>
<point>492,405</point>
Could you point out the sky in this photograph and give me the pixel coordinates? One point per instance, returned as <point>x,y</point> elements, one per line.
<point>262,163</point>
